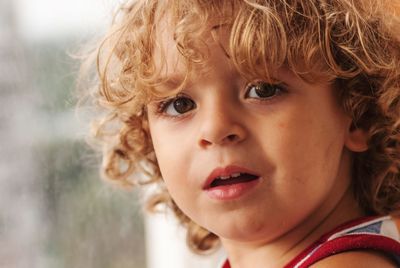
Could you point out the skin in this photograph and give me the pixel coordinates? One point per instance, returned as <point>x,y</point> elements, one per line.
<point>299,141</point>
<point>356,259</point>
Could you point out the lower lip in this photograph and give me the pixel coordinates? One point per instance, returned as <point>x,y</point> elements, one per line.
<point>233,191</point>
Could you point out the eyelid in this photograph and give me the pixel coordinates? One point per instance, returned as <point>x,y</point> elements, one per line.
<point>162,105</point>
<point>280,85</point>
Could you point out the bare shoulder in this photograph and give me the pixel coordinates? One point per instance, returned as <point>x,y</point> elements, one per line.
<point>355,259</point>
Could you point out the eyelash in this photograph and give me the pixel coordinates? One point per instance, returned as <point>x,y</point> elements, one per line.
<point>278,87</point>
<point>162,105</point>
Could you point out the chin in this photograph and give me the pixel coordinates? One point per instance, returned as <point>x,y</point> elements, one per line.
<point>244,232</point>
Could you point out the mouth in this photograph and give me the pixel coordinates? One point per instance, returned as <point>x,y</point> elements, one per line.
<point>233,179</point>
<point>229,175</point>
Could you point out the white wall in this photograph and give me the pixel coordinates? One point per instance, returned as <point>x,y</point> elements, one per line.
<point>166,246</point>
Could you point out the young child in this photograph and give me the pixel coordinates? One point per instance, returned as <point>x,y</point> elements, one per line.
<point>271,127</point>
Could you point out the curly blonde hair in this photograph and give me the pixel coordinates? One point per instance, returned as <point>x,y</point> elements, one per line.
<point>354,44</point>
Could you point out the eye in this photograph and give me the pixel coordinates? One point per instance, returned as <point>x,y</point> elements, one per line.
<point>177,106</point>
<point>262,90</point>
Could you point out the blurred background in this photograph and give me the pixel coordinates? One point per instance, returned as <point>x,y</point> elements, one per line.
<point>55,211</point>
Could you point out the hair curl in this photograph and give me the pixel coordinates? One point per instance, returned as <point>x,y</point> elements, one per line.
<point>355,44</point>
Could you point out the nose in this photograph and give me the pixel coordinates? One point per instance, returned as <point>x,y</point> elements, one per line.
<point>221,126</point>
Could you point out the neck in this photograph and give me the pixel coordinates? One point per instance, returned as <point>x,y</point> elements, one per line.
<point>280,251</point>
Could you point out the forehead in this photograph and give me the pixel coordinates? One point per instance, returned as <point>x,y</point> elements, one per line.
<point>165,53</point>
<point>183,45</point>
<point>174,49</point>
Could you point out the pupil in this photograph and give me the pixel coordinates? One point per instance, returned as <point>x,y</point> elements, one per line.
<point>265,90</point>
<point>183,105</point>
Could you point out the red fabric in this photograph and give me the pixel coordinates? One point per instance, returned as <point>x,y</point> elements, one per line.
<point>323,238</point>
<point>342,244</point>
<point>226,264</point>
<point>352,242</point>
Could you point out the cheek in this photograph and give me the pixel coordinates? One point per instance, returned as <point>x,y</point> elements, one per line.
<point>167,154</point>
<point>172,171</point>
<point>304,144</point>
<point>172,150</point>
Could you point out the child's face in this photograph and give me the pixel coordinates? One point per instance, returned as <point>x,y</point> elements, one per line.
<point>290,138</point>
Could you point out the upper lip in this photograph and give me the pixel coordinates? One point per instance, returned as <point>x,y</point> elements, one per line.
<point>225,172</point>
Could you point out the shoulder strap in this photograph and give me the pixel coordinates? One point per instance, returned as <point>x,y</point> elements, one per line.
<point>379,234</point>
<point>372,233</point>
<point>352,242</point>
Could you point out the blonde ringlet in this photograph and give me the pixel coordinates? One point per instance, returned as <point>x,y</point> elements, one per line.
<point>352,44</point>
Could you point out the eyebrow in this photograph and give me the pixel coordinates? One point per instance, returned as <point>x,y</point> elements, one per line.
<point>172,80</point>
<point>173,77</point>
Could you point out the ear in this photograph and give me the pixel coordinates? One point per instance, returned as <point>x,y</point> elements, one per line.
<point>357,139</point>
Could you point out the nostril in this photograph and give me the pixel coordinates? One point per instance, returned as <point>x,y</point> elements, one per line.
<point>228,139</point>
<point>205,143</point>
<point>221,134</point>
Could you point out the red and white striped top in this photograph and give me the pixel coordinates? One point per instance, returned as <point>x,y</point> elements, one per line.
<point>369,233</point>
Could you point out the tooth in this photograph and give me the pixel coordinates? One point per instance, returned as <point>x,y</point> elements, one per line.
<point>234,175</point>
